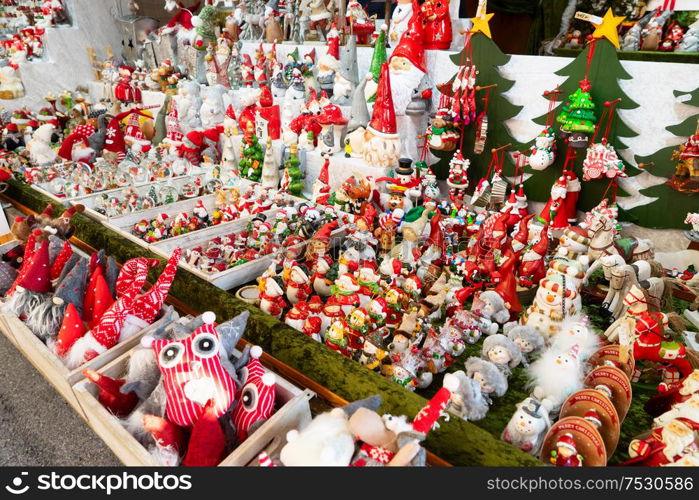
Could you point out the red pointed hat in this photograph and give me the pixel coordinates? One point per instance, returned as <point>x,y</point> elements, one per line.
<point>411,44</point>
<point>323,234</point>
<point>383,117</point>
<point>427,418</point>
<point>103,300</point>
<point>71,330</point>
<point>148,305</point>
<point>266,98</point>
<point>60,261</point>
<point>334,48</point>
<point>38,277</point>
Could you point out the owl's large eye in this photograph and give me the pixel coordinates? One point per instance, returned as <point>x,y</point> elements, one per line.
<point>249,397</point>
<point>171,354</point>
<point>205,345</point>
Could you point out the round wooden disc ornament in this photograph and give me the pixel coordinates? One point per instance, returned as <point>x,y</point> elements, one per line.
<point>588,441</point>
<point>249,294</point>
<point>580,403</point>
<point>609,355</point>
<point>616,382</point>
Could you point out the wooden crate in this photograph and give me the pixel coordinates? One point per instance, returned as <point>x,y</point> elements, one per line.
<point>293,411</point>
<point>234,276</point>
<point>229,278</point>
<point>51,366</point>
<point>124,225</point>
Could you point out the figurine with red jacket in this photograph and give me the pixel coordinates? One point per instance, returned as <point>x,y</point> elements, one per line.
<point>437,22</point>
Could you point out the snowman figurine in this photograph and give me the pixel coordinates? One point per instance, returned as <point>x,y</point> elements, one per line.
<point>542,154</point>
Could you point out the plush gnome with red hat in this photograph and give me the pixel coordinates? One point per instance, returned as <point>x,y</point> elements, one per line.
<point>108,328</point>
<point>407,65</point>
<point>329,63</point>
<point>379,143</point>
<point>33,283</point>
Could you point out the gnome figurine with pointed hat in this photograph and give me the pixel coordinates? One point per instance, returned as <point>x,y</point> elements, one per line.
<point>407,65</point>
<point>329,63</point>
<point>379,144</point>
<point>347,77</point>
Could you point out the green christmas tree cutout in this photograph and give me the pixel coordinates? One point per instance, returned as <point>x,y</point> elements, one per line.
<point>489,60</point>
<point>580,114</point>
<point>669,207</point>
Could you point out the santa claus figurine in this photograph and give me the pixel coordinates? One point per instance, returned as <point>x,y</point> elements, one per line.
<point>407,67</point>
<point>557,210</point>
<point>437,22</point>
<point>344,292</point>
<point>566,452</point>
<point>666,444</point>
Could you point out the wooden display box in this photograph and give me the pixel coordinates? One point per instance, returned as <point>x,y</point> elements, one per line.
<point>52,368</point>
<point>234,276</point>
<point>293,411</point>
<point>91,200</point>
<point>229,278</point>
<point>123,225</point>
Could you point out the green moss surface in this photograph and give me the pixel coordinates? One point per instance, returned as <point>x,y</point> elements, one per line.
<point>456,441</point>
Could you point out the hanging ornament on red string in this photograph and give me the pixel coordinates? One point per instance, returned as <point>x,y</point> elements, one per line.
<point>601,158</point>
<point>562,204</point>
<point>482,121</point>
<point>458,177</point>
<point>491,192</point>
<point>457,105</point>
<point>543,153</point>
<point>577,116</point>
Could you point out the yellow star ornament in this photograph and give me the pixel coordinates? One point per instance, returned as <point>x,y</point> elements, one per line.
<point>480,24</point>
<point>609,28</point>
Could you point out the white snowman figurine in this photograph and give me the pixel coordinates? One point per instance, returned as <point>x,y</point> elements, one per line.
<point>554,302</point>
<point>541,155</point>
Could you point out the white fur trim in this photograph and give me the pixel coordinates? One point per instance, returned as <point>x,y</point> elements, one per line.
<point>147,341</point>
<point>208,317</point>
<point>255,352</point>
<point>132,325</point>
<point>383,134</point>
<point>269,379</point>
<point>85,344</point>
<point>451,382</point>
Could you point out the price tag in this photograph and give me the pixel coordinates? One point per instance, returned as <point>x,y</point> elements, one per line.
<point>584,16</point>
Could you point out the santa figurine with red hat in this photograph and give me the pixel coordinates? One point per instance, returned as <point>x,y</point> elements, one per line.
<point>345,292</point>
<point>665,445</point>
<point>407,66</point>
<point>557,210</point>
<point>329,62</point>
<point>566,452</point>
<point>379,143</point>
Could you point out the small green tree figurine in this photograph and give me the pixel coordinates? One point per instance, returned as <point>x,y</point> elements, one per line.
<point>292,181</point>
<point>252,155</point>
<point>580,116</point>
